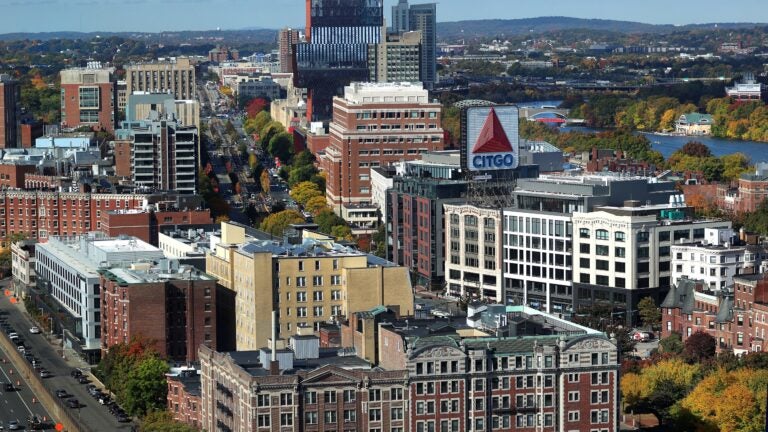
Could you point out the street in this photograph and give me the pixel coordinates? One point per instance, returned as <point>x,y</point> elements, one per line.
<point>95,416</point>
<point>17,405</point>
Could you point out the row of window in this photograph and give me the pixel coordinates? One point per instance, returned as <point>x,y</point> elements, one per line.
<point>301,281</point>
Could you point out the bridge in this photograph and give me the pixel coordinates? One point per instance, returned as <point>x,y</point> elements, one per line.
<point>553,116</point>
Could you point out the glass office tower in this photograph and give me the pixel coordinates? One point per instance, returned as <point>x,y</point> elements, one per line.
<point>335,52</point>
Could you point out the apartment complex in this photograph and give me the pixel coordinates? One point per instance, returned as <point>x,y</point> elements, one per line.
<point>750,192</point>
<point>735,317</point>
<point>473,241</point>
<point>10,111</point>
<point>23,267</point>
<point>552,375</point>
<point>286,40</point>
<point>313,389</point>
<point>164,154</point>
<point>622,254</point>
<point>175,76</point>
<point>88,98</point>
<point>310,282</point>
<point>67,270</point>
<point>422,17</point>
<point>181,300</point>
<point>39,215</point>
<point>375,125</point>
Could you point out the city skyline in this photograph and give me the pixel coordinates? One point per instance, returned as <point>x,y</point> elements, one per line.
<point>152,15</point>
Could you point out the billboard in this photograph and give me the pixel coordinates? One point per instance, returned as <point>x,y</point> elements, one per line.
<point>492,141</point>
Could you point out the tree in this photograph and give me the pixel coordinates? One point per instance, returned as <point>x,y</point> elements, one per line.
<point>281,146</point>
<point>276,223</point>
<point>672,344</point>
<point>261,120</point>
<point>699,347</point>
<point>162,421</point>
<point>256,106</point>
<point>316,204</point>
<point>649,312</point>
<point>267,132</point>
<point>341,232</point>
<point>264,180</point>
<point>632,388</point>
<point>304,191</point>
<point>327,219</point>
<point>146,386</point>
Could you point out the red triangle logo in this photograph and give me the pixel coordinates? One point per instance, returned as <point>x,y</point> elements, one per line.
<point>492,138</point>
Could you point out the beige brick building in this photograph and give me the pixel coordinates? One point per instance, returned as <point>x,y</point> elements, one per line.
<point>175,76</point>
<point>309,283</point>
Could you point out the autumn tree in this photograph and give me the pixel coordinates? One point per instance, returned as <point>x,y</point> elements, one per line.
<point>304,191</point>
<point>699,347</point>
<point>255,106</point>
<point>276,223</point>
<point>316,204</point>
<point>265,180</point>
<point>162,421</point>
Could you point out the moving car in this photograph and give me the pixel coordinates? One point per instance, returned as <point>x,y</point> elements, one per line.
<point>62,394</point>
<point>73,403</point>
<point>45,374</point>
<point>35,330</point>
<point>13,425</point>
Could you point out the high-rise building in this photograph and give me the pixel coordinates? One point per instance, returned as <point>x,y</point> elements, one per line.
<point>335,53</point>
<point>400,17</point>
<point>175,76</point>
<point>396,59</point>
<point>375,125</point>
<point>423,18</point>
<point>88,98</point>
<point>10,111</point>
<point>287,39</point>
<point>163,153</point>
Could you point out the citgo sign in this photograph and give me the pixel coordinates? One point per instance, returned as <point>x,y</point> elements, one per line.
<point>492,138</point>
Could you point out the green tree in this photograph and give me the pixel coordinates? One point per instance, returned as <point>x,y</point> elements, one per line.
<point>276,223</point>
<point>267,132</point>
<point>327,219</point>
<point>281,146</point>
<point>146,387</point>
<point>672,344</point>
<point>162,421</point>
<point>341,232</point>
<point>301,173</point>
<point>316,204</point>
<point>649,312</point>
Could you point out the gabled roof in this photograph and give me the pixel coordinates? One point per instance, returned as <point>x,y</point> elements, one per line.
<point>681,296</point>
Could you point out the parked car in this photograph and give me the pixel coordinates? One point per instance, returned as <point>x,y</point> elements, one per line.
<point>73,403</point>
<point>9,387</point>
<point>34,330</point>
<point>83,379</point>
<point>13,425</point>
<point>62,394</point>
<point>76,373</point>
<point>45,374</point>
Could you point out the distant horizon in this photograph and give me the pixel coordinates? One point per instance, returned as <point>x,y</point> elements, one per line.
<point>151,16</point>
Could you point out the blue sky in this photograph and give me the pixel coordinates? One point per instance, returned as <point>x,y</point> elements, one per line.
<point>158,15</point>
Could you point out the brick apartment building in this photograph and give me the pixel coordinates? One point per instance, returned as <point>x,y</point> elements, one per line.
<point>735,317</point>
<point>88,98</point>
<point>13,174</point>
<point>750,191</point>
<point>39,214</point>
<point>184,400</point>
<point>376,125</point>
<point>181,300</point>
<point>505,368</point>
<point>324,392</point>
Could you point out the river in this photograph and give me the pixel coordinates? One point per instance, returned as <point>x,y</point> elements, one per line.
<point>666,145</point>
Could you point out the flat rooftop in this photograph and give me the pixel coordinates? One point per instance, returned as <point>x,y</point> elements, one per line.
<point>124,245</point>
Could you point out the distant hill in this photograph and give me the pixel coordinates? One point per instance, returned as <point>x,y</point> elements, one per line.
<point>512,27</point>
<point>188,36</point>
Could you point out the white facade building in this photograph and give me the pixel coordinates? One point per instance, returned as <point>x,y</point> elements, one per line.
<point>715,260</point>
<point>381,182</point>
<point>68,266</point>
<point>537,259</point>
<point>622,254</point>
<point>473,250</point>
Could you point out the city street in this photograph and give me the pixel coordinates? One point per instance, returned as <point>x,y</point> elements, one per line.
<point>17,405</point>
<point>96,416</point>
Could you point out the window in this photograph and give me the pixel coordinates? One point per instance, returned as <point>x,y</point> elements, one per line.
<point>620,252</point>
<point>602,250</point>
<point>350,416</point>
<point>619,236</point>
<point>317,296</point>
<point>601,234</point>
<point>286,419</point>
<point>374,414</point>
<point>317,311</point>
<point>286,399</point>
<point>601,265</point>
<point>301,281</point>
<point>396,394</point>
<point>584,232</point>
<point>317,280</point>
<point>310,398</point>
<point>262,420</point>
<point>301,296</point>
<point>330,417</point>
<point>262,400</point>
<point>310,417</point>
<point>335,280</point>
<point>329,396</point>
<point>349,396</point>
<point>573,396</point>
<point>374,395</point>
<point>396,414</point>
